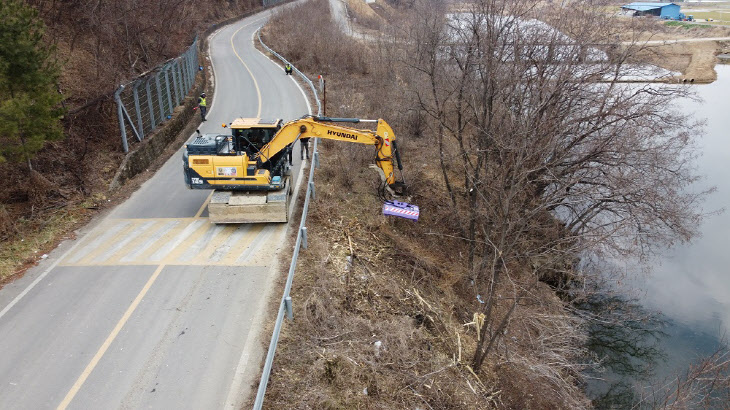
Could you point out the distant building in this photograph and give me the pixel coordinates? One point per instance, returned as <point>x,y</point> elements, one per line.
<point>663,10</point>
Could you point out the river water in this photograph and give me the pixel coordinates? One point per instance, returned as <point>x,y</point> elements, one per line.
<point>689,285</point>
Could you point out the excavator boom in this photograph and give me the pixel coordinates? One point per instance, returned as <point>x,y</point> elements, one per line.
<point>383,138</point>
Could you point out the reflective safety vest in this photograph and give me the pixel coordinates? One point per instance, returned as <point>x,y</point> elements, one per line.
<point>288,67</point>
<point>202,102</point>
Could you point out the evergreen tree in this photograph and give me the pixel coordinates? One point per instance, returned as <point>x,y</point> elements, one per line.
<point>29,102</point>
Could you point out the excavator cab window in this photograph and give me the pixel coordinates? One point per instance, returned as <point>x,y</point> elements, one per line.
<point>244,141</point>
<point>253,139</point>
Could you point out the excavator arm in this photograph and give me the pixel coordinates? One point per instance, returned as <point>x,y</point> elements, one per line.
<point>382,138</point>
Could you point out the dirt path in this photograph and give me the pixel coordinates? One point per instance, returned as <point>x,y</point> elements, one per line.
<point>693,57</point>
<point>685,40</point>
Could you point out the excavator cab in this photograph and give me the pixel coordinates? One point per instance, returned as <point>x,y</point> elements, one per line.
<point>251,134</point>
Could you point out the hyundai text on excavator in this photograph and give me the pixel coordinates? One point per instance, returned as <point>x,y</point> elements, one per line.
<point>249,169</point>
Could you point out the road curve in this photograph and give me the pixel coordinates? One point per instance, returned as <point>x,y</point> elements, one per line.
<point>152,306</point>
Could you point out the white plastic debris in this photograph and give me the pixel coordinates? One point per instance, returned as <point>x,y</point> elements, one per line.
<point>377,344</point>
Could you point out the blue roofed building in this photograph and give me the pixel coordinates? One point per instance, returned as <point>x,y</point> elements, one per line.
<point>663,10</point>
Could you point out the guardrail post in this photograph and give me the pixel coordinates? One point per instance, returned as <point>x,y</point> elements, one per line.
<point>120,115</point>
<point>289,311</point>
<point>311,188</point>
<point>184,75</point>
<point>175,86</point>
<point>316,160</point>
<point>135,94</point>
<point>181,73</point>
<point>191,70</point>
<point>190,74</point>
<point>167,88</point>
<point>160,103</point>
<point>148,89</point>
<point>304,237</point>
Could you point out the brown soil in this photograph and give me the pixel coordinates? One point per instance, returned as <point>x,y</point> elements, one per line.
<point>694,60</point>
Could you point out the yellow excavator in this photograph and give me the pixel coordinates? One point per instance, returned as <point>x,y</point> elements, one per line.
<point>249,169</point>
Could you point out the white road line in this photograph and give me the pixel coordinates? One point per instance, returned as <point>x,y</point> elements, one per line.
<point>223,250</point>
<point>162,252</point>
<point>257,243</point>
<point>38,279</point>
<point>199,245</point>
<point>97,242</point>
<point>123,242</point>
<point>141,248</point>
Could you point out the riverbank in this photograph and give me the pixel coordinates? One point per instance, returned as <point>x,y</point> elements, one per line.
<point>689,49</point>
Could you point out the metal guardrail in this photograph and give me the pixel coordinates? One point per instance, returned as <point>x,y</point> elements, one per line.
<point>150,99</point>
<point>286,302</point>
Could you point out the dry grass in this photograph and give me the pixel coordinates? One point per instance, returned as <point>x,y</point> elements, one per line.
<point>694,60</point>
<point>21,253</point>
<point>363,14</point>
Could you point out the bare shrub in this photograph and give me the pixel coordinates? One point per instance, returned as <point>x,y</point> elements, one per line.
<point>519,165</point>
<point>544,163</point>
<point>8,228</point>
<point>319,45</point>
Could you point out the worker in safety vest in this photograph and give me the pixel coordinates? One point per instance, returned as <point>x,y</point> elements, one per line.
<point>203,105</point>
<point>287,69</point>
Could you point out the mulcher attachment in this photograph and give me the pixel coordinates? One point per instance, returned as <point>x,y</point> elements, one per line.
<point>401,210</point>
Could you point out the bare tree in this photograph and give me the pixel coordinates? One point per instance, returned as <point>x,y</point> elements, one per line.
<point>705,384</point>
<point>546,154</point>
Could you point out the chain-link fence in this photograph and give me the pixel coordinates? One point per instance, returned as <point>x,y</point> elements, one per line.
<point>149,100</point>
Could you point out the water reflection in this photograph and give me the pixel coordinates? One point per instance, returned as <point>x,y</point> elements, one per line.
<point>688,289</point>
<point>626,340</point>
<point>691,285</point>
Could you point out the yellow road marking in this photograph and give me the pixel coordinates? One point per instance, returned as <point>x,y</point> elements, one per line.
<point>202,207</point>
<point>164,240</point>
<point>255,83</point>
<point>247,264</point>
<point>179,249</point>
<point>214,243</point>
<point>261,249</point>
<point>141,238</point>
<point>242,244</point>
<point>110,242</point>
<point>90,367</point>
<point>94,236</point>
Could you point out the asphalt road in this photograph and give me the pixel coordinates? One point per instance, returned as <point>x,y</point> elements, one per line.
<point>152,306</point>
